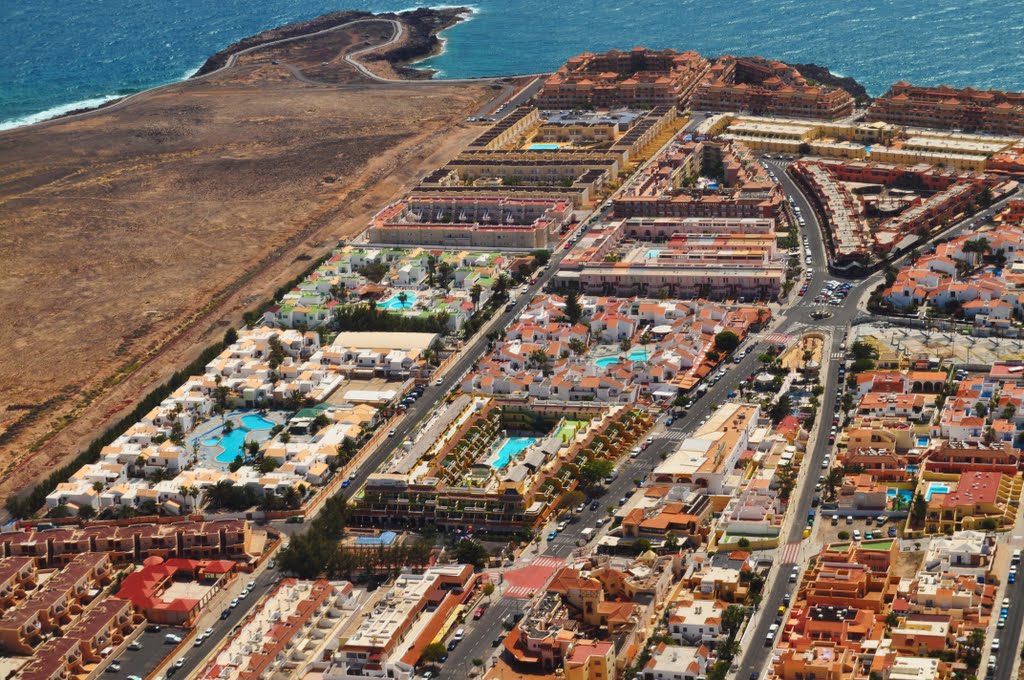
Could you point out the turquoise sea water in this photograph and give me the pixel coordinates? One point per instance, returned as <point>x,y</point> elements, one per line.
<point>59,55</point>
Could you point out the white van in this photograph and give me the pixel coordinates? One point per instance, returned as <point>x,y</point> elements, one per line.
<point>459,634</point>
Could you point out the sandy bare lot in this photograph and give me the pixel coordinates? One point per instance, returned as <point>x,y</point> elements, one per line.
<point>129,239</point>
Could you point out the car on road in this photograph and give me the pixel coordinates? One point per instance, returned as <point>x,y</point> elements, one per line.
<point>1012,578</point>
<point>171,639</point>
<point>180,662</point>
<point>439,382</point>
<point>552,534</point>
<point>635,452</point>
<point>580,508</point>
<point>794,574</point>
<point>234,603</point>
<point>623,500</point>
<point>478,613</point>
<point>496,642</point>
<point>225,614</point>
<point>135,645</point>
<point>594,505</point>
<point>392,433</point>
<point>562,526</point>
<point>114,667</point>
<point>1001,624</point>
<point>995,645</point>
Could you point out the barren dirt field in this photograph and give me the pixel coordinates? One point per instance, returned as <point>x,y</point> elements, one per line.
<point>131,238</point>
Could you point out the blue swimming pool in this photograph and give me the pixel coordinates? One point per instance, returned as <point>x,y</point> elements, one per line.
<point>509,448</point>
<point>922,440</point>
<point>393,302</point>
<point>652,254</point>
<point>637,355</point>
<point>905,495</point>
<point>212,441</point>
<point>232,443</point>
<point>256,422</point>
<point>605,362</point>
<point>935,487</point>
<point>544,147</point>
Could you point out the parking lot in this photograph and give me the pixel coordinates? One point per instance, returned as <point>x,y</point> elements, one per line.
<point>150,650</point>
<point>832,293</point>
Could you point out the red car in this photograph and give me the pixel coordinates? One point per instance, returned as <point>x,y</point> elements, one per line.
<point>478,613</point>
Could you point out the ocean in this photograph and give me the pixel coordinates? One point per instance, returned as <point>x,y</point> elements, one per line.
<point>63,55</point>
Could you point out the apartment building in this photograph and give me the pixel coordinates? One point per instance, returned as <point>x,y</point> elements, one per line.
<point>988,111</point>
<point>767,87</point>
<point>471,222</point>
<point>640,78</point>
<point>285,632</point>
<point>389,641</point>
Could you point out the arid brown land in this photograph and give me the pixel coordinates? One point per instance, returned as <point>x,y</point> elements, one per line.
<point>131,238</point>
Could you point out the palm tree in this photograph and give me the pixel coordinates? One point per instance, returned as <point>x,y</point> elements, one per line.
<point>474,294</point>
<point>403,297</point>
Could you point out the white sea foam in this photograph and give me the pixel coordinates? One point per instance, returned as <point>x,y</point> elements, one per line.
<point>56,111</point>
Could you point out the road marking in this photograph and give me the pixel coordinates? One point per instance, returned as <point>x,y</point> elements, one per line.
<point>777,339</point>
<point>519,592</point>
<point>790,551</point>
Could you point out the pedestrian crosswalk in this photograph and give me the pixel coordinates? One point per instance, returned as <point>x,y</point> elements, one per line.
<point>777,339</point>
<point>838,355</point>
<point>675,435</point>
<point>790,552</point>
<point>519,592</point>
<point>548,563</point>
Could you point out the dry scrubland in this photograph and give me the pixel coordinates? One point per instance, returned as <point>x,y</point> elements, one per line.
<point>130,238</point>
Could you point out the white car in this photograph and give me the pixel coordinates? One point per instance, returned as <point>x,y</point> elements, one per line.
<point>234,603</point>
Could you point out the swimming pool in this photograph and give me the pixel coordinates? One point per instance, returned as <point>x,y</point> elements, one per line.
<point>638,355</point>
<point>394,303</point>
<point>233,444</point>
<point>257,422</point>
<point>605,362</point>
<point>652,254</point>
<point>935,487</point>
<point>905,495</point>
<point>544,147</point>
<point>922,440</point>
<point>509,448</point>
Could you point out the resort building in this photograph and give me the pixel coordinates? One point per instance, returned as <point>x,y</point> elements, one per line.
<point>471,222</point>
<point>499,466</point>
<point>640,78</point>
<point>676,257</point>
<point>701,179</point>
<point>767,87</point>
<point>988,111</point>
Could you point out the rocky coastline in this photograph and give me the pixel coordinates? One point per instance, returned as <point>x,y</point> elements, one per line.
<point>823,75</point>
<point>422,24</point>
